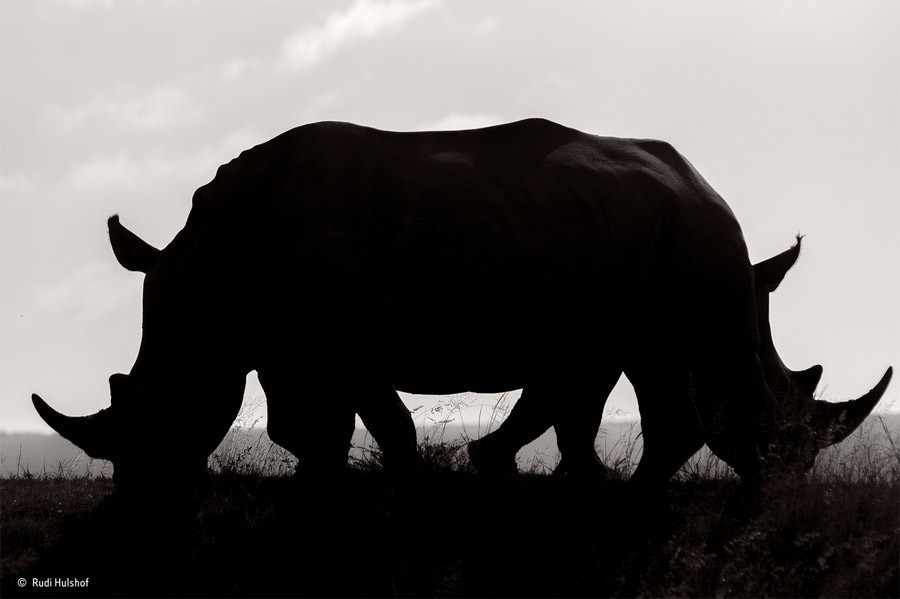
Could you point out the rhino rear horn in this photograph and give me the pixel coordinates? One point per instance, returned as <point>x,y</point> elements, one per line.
<point>131,251</point>
<point>768,274</point>
<point>93,434</point>
<point>842,418</point>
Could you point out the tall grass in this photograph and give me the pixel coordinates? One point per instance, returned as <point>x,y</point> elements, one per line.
<point>82,466</point>
<point>871,453</point>
<point>247,449</point>
<point>834,532</point>
<point>256,531</point>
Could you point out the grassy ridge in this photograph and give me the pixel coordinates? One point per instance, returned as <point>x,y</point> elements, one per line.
<point>453,533</point>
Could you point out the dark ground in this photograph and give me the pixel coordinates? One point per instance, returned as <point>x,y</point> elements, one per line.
<point>451,533</point>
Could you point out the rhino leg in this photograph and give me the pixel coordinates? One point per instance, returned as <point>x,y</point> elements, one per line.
<point>495,453</point>
<point>573,405</point>
<point>577,421</point>
<point>317,431</point>
<point>737,412</point>
<point>390,424</point>
<point>670,427</point>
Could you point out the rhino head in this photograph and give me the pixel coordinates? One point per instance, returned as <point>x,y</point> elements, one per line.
<point>170,412</point>
<point>805,425</point>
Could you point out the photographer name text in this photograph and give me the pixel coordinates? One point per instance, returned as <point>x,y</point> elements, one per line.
<point>60,583</point>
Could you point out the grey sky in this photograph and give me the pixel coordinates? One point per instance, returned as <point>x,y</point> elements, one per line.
<point>790,109</point>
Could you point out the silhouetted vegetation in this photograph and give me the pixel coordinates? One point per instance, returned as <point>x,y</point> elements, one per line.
<point>245,532</point>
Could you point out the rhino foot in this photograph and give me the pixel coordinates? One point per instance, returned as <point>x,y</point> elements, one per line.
<point>590,468</point>
<point>404,466</point>
<point>491,460</point>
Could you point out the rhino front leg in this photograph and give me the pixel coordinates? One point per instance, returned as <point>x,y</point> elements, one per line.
<point>738,412</point>
<point>670,426</point>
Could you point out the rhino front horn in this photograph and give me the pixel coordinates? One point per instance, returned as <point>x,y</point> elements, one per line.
<point>842,418</point>
<point>93,433</point>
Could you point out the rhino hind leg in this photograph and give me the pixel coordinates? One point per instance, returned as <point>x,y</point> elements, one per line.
<point>495,453</point>
<point>313,426</point>
<point>489,455</point>
<point>390,424</point>
<point>573,405</point>
<point>577,422</point>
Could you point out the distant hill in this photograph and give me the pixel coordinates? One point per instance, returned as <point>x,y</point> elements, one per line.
<point>619,442</point>
<point>38,454</point>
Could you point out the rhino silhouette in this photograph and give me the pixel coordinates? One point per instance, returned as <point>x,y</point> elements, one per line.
<point>343,263</point>
<point>677,420</point>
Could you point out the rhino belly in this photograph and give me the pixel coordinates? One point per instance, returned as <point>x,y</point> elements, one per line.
<point>493,351</point>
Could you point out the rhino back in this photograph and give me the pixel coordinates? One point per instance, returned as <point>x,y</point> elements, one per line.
<point>518,192</point>
<point>520,231</point>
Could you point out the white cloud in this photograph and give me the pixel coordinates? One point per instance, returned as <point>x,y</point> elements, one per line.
<point>15,186</point>
<point>161,108</point>
<point>365,19</point>
<point>89,293</point>
<point>77,4</point>
<point>487,25</point>
<point>108,172</point>
<point>125,172</point>
<point>460,120</point>
<point>239,67</point>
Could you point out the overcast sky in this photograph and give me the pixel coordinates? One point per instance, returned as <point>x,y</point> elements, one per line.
<point>791,110</point>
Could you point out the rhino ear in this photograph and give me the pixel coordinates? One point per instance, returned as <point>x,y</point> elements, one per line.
<point>808,379</point>
<point>768,274</point>
<point>131,251</point>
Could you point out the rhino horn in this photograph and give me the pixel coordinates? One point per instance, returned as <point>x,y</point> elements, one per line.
<point>93,433</point>
<point>842,418</point>
<point>769,273</point>
<point>131,251</point>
